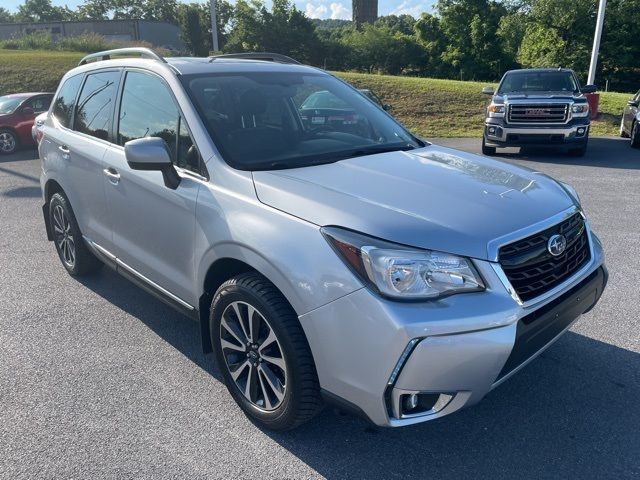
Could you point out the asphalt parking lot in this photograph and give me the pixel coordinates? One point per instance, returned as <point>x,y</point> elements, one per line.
<point>99,379</point>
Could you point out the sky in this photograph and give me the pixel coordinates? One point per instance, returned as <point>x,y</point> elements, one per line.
<point>313,8</point>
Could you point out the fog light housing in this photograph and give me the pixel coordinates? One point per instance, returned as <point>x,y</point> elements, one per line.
<point>581,131</point>
<point>410,402</point>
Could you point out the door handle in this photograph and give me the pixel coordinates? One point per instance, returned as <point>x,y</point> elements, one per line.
<point>65,151</point>
<point>112,174</point>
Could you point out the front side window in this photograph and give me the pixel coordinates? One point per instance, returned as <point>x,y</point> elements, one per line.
<point>524,81</point>
<point>147,109</point>
<point>65,101</point>
<point>39,104</point>
<point>95,105</point>
<point>271,120</point>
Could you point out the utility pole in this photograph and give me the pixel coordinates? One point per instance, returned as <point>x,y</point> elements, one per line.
<point>214,26</point>
<point>596,43</point>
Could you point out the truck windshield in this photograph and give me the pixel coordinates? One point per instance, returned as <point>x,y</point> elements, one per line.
<point>9,104</point>
<point>538,82</point>
<point>274,120</point>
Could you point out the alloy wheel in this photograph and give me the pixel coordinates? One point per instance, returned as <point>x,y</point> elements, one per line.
<point>7,142</point>
<point>253,355</point>
<point>63,236</point>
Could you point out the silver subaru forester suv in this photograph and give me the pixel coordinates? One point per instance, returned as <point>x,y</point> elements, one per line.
<point>329,255</point>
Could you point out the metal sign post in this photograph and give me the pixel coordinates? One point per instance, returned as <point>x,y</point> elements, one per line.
<point>596,43</point>
<point>214,26</point>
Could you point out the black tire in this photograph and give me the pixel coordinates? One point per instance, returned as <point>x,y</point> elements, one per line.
<point>301,399</point>
<point>8,142</point>
<point>487,150</point>
<point>635,135</point>
<point>64,228</point>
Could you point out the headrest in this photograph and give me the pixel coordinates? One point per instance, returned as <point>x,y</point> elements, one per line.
<point>252,102</point>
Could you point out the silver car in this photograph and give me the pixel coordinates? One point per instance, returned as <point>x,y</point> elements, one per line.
<point>329,258</point>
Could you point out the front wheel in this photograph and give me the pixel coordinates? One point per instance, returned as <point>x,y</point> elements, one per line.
<point>263,353</point>
<point>635,135</point>
<point>486,150</point>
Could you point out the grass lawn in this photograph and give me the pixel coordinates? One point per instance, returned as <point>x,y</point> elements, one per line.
<point>429,107</point>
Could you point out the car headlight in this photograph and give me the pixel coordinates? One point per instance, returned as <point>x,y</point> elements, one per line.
<point>580,109</point>
<point>571,192</point>
<point>401,272</point>
<point>496,109</point>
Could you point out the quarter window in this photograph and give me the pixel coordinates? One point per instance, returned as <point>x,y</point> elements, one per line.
<point>64,103</point>
<point>147,109</point>
<point>95,105</point>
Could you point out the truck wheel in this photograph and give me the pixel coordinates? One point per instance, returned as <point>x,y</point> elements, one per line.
<point>487,150</point>
<point>8,142</point>
<point>635,135</point>
<point>623,133</point>
<point>263,353</point>
<point>76,258</point>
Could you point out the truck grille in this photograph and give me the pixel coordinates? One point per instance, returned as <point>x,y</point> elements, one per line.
<point>532,270</point>
<point>538,113</point>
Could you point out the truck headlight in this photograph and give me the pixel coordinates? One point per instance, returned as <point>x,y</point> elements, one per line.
<point>580,109</point>
<point>401,272</point>
<point>496,109</point>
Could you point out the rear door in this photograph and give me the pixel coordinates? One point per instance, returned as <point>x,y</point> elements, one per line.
<point>153,225</point>
<point>78,142</point>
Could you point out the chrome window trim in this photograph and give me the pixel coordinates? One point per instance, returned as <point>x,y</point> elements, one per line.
<point>140,276</point>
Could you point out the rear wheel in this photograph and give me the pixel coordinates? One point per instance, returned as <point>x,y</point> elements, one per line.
<point>74,254</point>
<point>263,354</point>
<point>487,150</point>
<point>635,135</point>
<point>8,142</point>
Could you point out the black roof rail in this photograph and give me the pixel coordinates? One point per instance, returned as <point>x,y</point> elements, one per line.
<point>266,56</point>
<point>106,55</point>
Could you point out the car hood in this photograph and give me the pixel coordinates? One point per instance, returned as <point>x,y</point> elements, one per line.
<point>434,197</point>
<point>537,96</point>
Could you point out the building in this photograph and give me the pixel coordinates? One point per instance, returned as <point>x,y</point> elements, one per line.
<point>364,11</point>
<point>159,34</point>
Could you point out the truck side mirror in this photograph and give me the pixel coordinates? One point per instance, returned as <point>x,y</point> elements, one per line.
<point>488,90</point>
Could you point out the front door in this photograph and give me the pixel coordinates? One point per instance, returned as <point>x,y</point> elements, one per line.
<point>153,225</point>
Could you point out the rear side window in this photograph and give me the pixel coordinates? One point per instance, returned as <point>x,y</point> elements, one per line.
<point>64,103</point>
<point>94,113</point>
<point>147,109</point>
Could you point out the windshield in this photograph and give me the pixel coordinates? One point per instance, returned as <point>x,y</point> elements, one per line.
<point>9,104</point>
<point>538,82</point>
<point>271,120</point>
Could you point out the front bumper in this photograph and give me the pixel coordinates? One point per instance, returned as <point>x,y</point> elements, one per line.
<point>498,133</point>
<point>370,353</point>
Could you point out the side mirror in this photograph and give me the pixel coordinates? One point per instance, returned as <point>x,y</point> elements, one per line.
<point>28,111</point>
<point>633,103</point>
<point>386,107</point>
<point>488,90</point>
<point>589,89</point>
<point>152,153</point>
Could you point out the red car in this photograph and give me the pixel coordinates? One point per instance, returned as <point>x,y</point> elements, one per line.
<point>17,113</point>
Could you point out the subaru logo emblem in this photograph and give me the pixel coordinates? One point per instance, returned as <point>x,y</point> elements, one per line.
<point>557,245</point>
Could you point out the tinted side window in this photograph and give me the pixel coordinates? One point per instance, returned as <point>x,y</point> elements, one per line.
<point>63,105</point>
<point>39,104</point>
<point>95,105</point>
<point>147,109</point>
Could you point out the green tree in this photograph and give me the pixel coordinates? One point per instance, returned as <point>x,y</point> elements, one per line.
<point>558,33</point>
<point>473,48</point>
<point>433,42</point>
<point>42,11</point>
<point>5,15</point>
